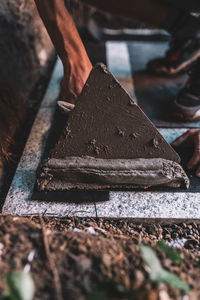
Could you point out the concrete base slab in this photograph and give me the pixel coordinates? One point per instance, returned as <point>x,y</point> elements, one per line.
<point>140,205</point>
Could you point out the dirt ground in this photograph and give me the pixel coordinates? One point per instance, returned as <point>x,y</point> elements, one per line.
<point>81,258</point>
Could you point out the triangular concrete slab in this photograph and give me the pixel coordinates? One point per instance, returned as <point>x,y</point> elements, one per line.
<point>107,123</point>
<point>109,143</point>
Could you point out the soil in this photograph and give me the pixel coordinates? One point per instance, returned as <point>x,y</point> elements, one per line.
<point>126,131</point>
<point>75,257</point>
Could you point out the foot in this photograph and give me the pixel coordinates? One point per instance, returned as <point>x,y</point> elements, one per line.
<point>187,103</point>
<point>178,59</point>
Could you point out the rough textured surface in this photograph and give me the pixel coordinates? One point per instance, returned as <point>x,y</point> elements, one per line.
<point>25,45</point>
<point>96,173</point>
<point>24,51</point>
<point>107,123</point>
<point>99,256</point>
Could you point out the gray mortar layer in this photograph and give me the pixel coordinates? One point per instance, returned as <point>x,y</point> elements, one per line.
<point>96,173</point>
<point>138,205</point>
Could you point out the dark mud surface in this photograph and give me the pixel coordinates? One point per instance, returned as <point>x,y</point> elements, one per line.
<point>106,123</point>
<point>100,258</point>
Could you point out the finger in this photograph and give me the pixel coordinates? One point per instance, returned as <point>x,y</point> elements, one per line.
<point>198,172</point>
<point>196,156</point>
<point>181,139</point>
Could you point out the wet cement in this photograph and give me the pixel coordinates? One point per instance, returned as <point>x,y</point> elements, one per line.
<point>91,173</point>
<point>107,123</point>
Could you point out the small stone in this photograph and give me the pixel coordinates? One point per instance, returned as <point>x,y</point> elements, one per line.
<point>168,236</point>
<point>82,248</point>
<point>155,143</point>
<point>97,150</point>
<point>92,142</point>
<point>68,132</point>
<point>190,244</point>
<point>106,259</point>
<point>174,235</point>
<point>139,279</point>
<point>132,103</point>
<point>84,265</point>
<point>106,149</point>
<point>91,230</point>
<point>120,132</point>
<point>133,135</point>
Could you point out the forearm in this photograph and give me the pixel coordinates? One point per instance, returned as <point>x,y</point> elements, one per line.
<point>68,44</point>
<point>61,28</point>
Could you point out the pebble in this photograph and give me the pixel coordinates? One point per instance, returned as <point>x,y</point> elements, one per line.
<point>106,259</point>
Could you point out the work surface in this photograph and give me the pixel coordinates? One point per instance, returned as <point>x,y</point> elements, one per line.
<point>154,95</point>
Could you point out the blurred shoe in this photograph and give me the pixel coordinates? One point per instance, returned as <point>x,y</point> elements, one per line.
<point>178,59</point>
<point>187,103</point>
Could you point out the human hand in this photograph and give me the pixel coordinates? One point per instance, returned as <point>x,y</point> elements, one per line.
<point>75,77</point>
<point>193,136</point>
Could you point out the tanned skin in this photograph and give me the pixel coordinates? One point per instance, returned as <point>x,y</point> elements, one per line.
<point>68,44</point>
